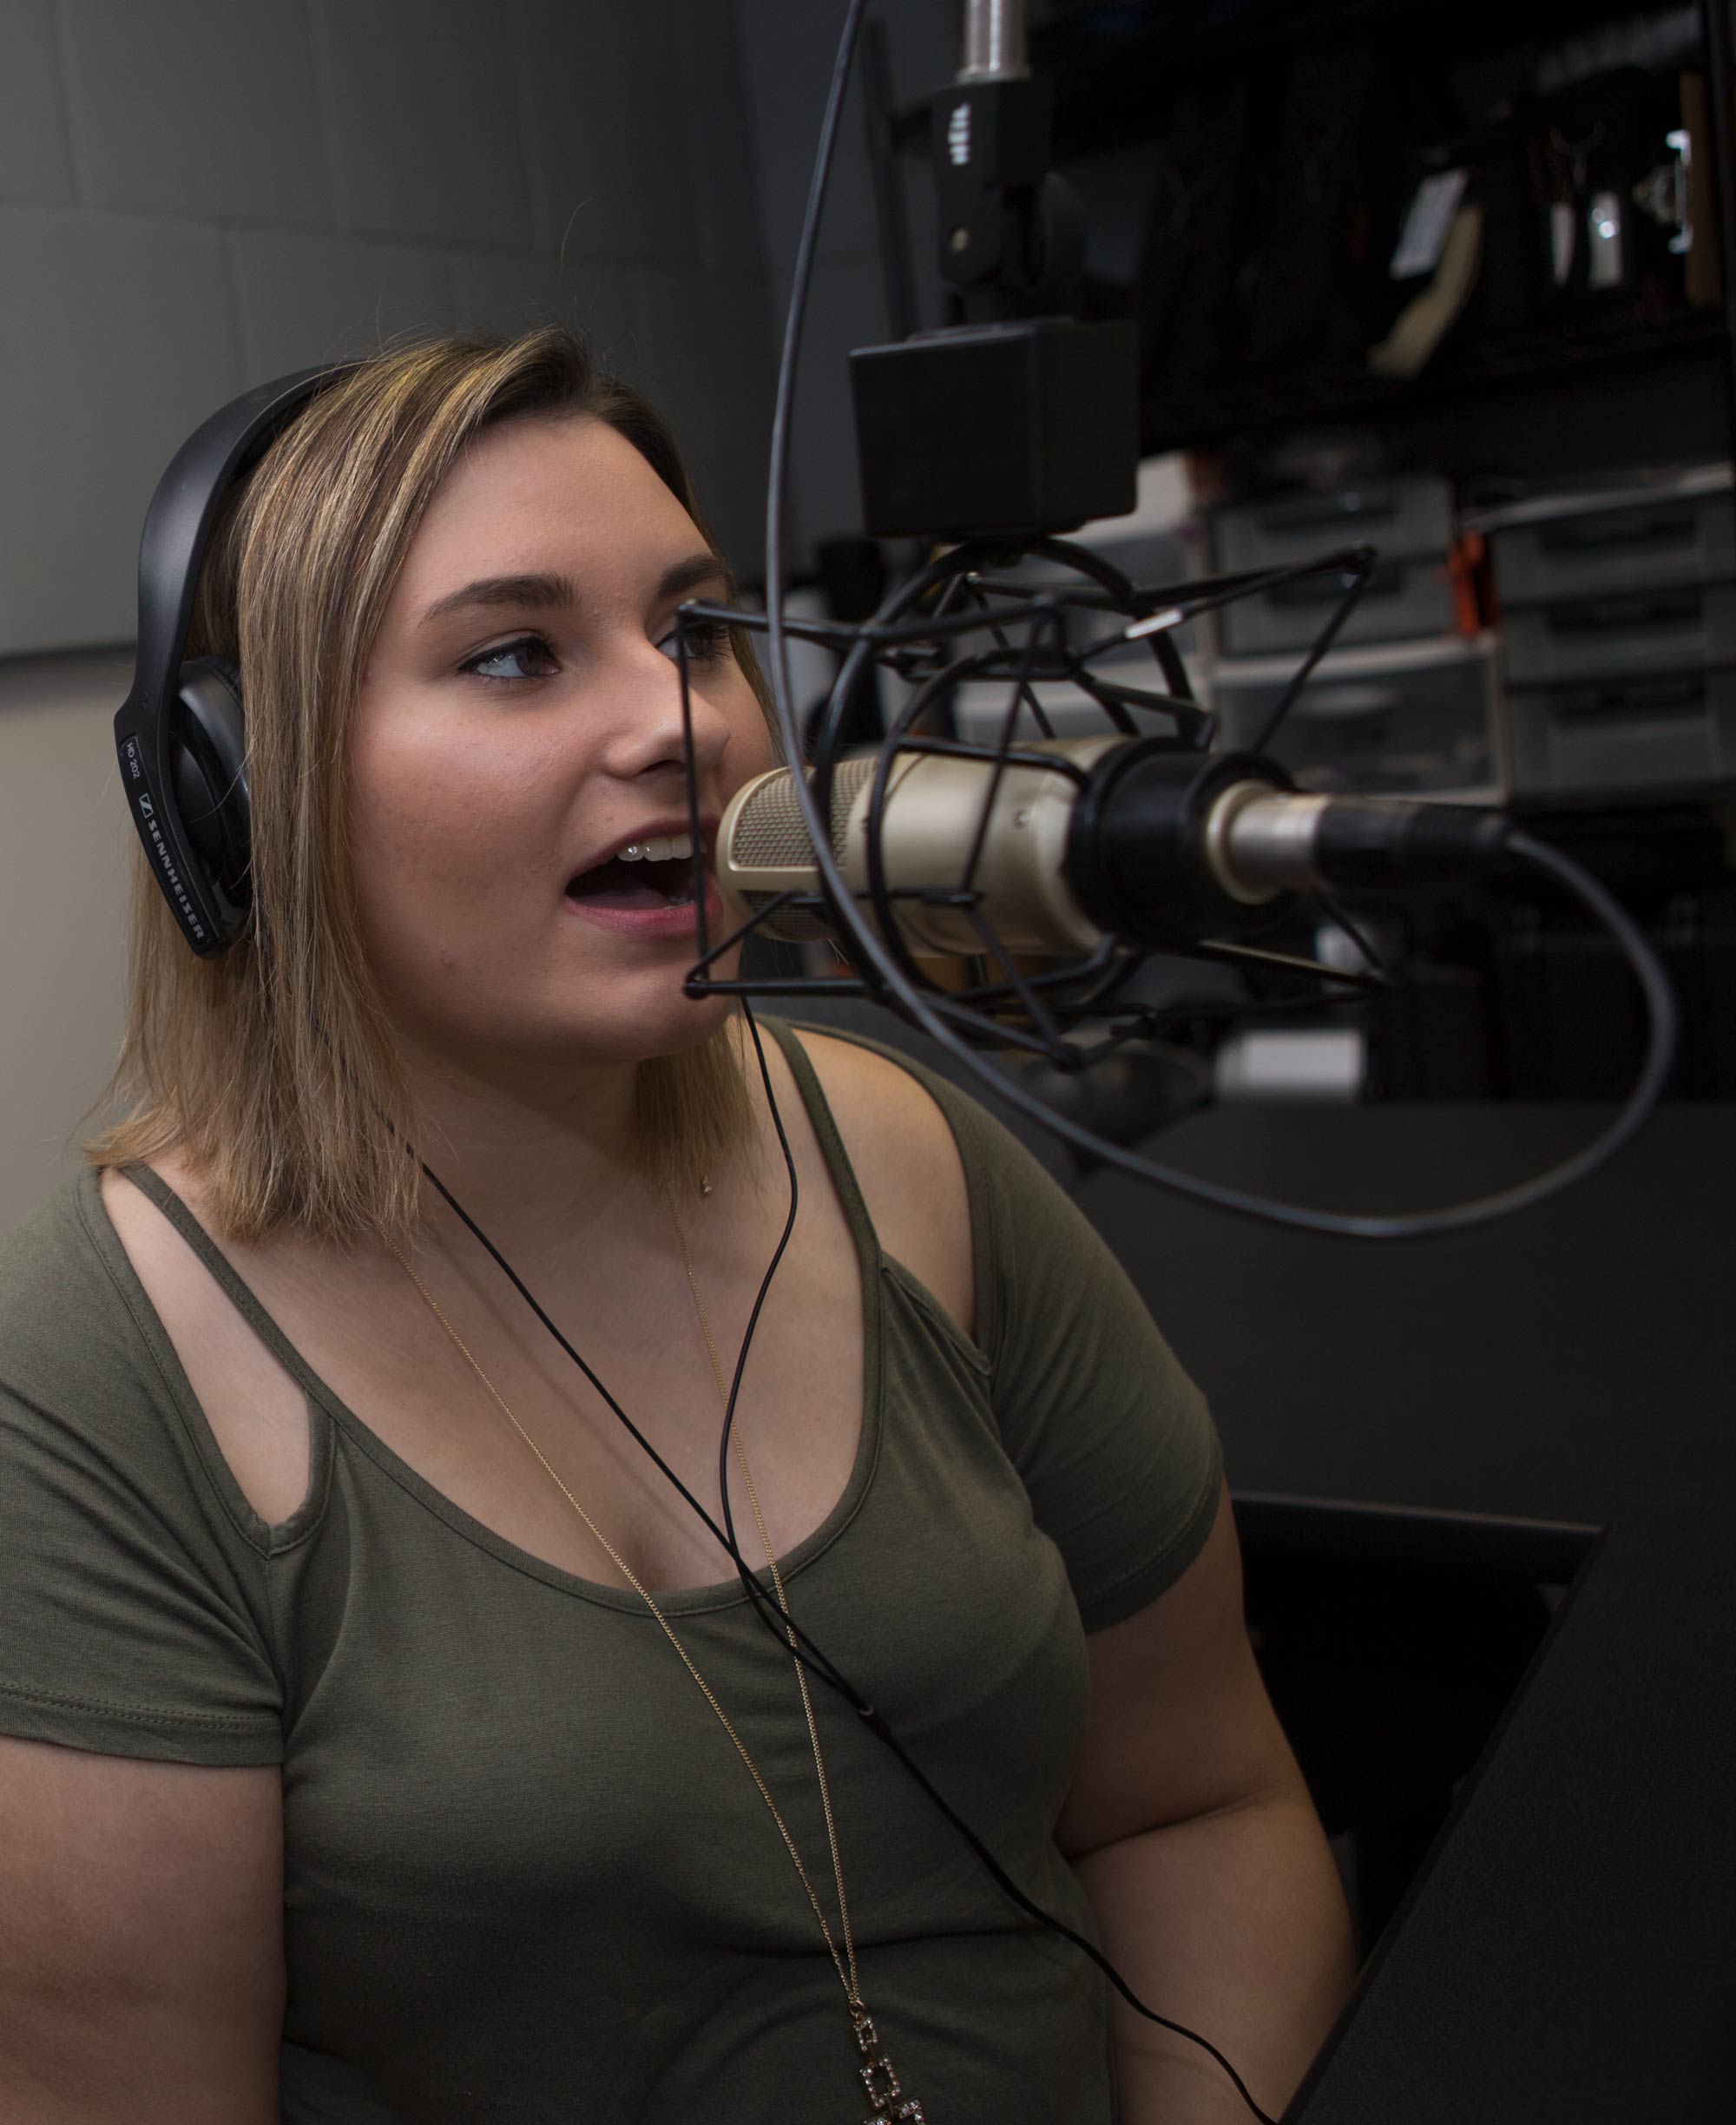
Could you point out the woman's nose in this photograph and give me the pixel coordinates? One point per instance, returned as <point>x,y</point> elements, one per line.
<point>652,731</point>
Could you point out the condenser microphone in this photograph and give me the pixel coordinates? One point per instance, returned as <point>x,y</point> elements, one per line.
<point>1067,841</point>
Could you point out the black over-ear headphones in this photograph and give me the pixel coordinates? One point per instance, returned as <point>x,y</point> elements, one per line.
<point>180,731</point>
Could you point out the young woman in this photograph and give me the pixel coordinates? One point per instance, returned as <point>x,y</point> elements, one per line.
<point>384,1738</point>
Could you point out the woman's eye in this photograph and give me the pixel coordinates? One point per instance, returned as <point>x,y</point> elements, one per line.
<point>707,641</point>
<point>528,657</point>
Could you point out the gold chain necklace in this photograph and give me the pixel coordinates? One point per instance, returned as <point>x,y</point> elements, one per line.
<point>891,2106</point>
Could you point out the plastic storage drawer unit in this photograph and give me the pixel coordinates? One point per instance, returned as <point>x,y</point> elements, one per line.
<point>1566,547</point>
<point>1407,516</point>
<point>1418,718</point>
<point>1666,629</point>
<point>1644,735</point>
<point>1409,521</point>
<point>1403,598</point>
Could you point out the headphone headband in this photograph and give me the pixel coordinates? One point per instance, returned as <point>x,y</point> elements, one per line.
<point>178,528</point>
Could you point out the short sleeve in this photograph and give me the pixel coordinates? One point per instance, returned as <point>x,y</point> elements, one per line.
<point>133,1618</point>
<point>1111,1438</point>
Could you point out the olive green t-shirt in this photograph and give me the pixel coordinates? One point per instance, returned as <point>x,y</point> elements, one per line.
<point>527,1878</point>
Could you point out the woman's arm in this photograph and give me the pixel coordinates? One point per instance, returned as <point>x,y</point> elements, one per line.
<point>1194,1834</point>
<point>141,1950</point>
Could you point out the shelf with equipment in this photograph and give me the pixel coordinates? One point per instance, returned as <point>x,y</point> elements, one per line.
<point>1119,65</point>
<point>1375,243</point>
<point>1380,212</point>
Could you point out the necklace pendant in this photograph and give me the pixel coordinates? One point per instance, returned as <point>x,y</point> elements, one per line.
<point>879,2077</point>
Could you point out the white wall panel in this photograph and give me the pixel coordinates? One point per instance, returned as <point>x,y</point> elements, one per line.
<point>786,51</point>
<point>116,341</point>
<point>198,107</point>
<point>35,160</point>
<point>425,131</point>
<point>513,292</point>
<point>705,351</point>
<point>304,298</point>
<point>787,48</point>
<point>65,861</point>
<point>610,158</point>
<point>846,309</point>
<point>715,114</point>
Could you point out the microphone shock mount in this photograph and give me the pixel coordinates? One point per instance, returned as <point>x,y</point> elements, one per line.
<point>1046,630</point>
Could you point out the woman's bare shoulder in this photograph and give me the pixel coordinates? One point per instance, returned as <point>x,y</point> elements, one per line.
<point>162,1260</point>
<point>257,1413</point>
<point>906,1163</point>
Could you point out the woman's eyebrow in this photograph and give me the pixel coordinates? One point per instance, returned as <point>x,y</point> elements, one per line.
<point>561,591</point>
<point>544,591</point>
<point>688,574</point>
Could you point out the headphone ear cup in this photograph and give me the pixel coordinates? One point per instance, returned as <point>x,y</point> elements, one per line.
<point>209,756</point>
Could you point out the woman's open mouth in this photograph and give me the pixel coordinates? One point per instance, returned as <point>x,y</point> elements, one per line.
<point>646,888</point>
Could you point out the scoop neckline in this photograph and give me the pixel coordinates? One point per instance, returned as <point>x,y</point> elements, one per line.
<point>714,1595</point>
<point>277,1537</point>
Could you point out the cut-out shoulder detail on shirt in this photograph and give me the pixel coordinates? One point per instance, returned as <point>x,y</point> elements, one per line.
<point>241,1373</point>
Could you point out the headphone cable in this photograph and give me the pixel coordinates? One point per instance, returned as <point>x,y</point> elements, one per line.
<point>783,1624</point>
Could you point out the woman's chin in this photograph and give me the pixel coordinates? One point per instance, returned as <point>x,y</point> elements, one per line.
<point>669,1031</point>
<point>555,1019</point>
<point>509,1049</point>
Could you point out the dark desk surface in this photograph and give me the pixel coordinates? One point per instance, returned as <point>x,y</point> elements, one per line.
<point>1569,1952</point>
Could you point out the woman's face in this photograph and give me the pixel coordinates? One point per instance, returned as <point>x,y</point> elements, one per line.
<point>519,725</point>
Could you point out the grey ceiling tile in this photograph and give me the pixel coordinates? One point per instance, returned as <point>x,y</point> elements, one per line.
<point>610,160</point>
<point>116,343</point>
<point>307,299</point>
<point>198,107</point>
<point>425,121</point>
<point>35,160</point>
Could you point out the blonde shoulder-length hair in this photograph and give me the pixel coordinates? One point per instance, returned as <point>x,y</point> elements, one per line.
<point>274,1066</point>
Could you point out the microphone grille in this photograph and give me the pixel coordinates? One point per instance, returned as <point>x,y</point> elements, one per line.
<point>770,833</point>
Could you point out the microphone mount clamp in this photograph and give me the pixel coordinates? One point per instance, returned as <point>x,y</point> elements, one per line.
<point>1014,418</point>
